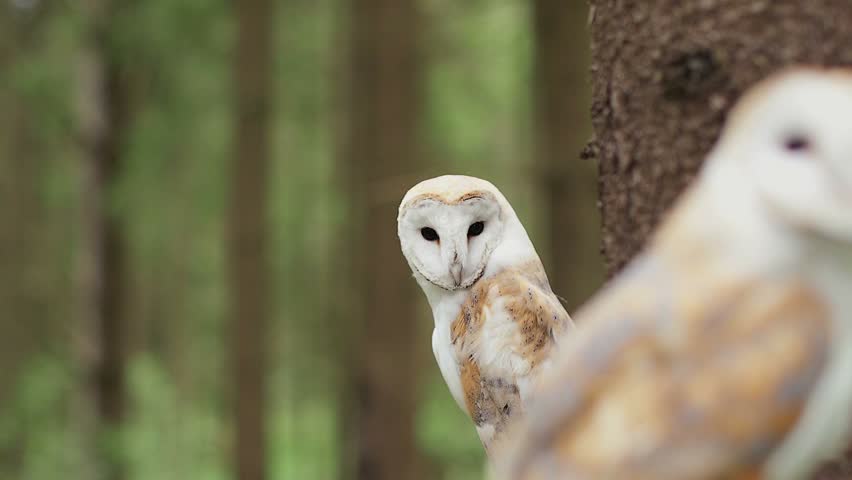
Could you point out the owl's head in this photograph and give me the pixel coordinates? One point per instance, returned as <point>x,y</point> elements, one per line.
<point>450,226</point>
<point>791,137</point>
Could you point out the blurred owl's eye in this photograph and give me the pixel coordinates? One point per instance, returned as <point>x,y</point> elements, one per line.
<point>429,234</point>
<point>475,229</point>
<point>797,143</point>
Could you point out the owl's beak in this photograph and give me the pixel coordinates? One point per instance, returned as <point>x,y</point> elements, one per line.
<point>456,271</point>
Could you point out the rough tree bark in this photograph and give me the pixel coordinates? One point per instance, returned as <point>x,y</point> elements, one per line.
<point>246,235</point>
<point>562,129</point>
<point>665,74</point>
<point>382,147</point>
<point>99,339</point>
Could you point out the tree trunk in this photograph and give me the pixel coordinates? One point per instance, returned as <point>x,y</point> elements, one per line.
<point>665,74</point>
<point>246,235</point>
<point>22,250</point>
<point>99,343</point>
<point>382,147</point>
<point>562,129</point>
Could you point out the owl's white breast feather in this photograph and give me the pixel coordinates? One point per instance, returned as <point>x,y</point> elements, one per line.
<point>442,348</point>
<point>492,347</point>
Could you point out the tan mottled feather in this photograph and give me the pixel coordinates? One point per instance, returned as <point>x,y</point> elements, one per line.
<point>492,395</point>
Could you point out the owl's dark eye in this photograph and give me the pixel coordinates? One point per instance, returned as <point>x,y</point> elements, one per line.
<point>429,234</point>
<point>797,143</point>
<point>475,229</point>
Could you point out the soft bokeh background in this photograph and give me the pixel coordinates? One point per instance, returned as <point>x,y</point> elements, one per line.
<point>122,355</point>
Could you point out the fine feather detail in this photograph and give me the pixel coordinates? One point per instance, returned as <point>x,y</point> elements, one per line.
<point>502,338</point>
<point>496,320</point>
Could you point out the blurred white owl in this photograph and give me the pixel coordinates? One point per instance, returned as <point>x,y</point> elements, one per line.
<point>496,319</point>
<point>725,350</point>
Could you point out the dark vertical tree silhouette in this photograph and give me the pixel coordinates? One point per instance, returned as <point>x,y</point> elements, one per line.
<point>246,234</point>
<point>665,74</point>
<point>562,130</point>
<point>102,121</point>
<point>21,208</point>
<point>382,147</point>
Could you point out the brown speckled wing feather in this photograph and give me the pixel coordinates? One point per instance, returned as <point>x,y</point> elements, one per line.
<point>492,386</point>
<point>676,380</point>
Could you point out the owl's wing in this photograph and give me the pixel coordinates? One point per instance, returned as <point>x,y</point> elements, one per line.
<point>503,338</point>
<point>672,380</point>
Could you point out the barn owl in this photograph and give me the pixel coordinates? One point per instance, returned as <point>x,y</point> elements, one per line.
<point>725,349</point>
<point>496,318</point>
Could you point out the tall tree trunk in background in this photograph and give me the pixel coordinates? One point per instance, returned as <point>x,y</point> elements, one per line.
<point>22,211</point>
<point>383,147</point>
<point>666,72</point>
<point>99,338</point>
<point>246,235</point>
<point>562,129</point>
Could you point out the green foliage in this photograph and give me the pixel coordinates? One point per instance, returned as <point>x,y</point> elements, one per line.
<point>447,435</point>
<point>303,438</point>
<point>37,438</point>
<point>477,82</point>
<point>167,437</point>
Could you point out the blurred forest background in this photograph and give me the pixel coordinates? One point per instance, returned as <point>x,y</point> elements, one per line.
<point>201,276</point>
